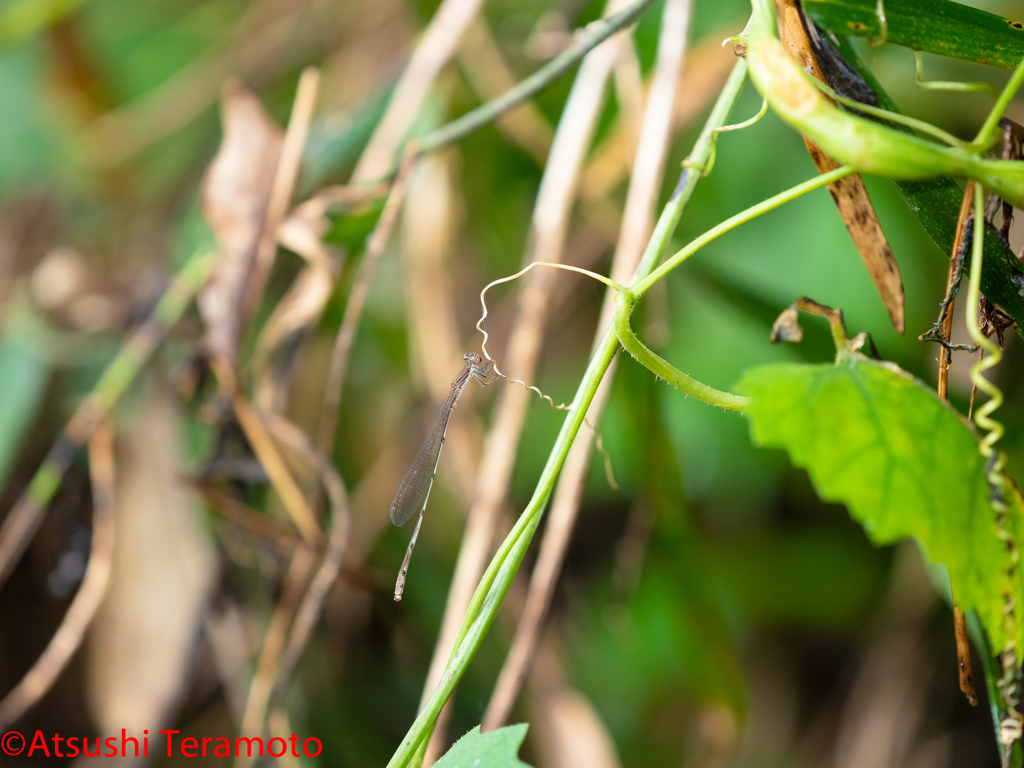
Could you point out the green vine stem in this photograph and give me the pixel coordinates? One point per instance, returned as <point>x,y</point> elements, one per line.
<point>1012,723</point>
<point>640,287</point>
<point>629,296</point>
<point>495,582</point>
<point>664,369</point>
<point>497,579</point>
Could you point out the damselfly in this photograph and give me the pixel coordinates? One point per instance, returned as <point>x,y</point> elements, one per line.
<point>415,488</point>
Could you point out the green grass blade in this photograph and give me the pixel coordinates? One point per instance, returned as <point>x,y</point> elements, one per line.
<point>935,26</point>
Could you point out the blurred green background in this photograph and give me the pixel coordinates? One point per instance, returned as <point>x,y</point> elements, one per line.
<point>712,611</point>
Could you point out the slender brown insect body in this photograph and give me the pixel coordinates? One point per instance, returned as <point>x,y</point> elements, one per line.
<point>414,489</point>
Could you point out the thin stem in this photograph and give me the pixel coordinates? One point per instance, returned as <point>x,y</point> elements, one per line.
<point>592,36</point>
<point>326,575</point>
<point>641,287</point>
<point>943,85</point>
<point>434,49</point>
<point>993,355</point>
<point>669,219</point>
<point>375,245</point>
<point>497,579</point>
<point>987,135</point>
<point>662,368</point>
<point>288,165</point>
<point>495,582</point>
<point>893,117</point>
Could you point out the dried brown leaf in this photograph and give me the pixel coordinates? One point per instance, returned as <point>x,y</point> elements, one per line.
<point>786,327</point>
<point>566,729</point>
<point>163,570</point>
<point>235,195</point>
<point>850,194</point>
<point>300,308</point>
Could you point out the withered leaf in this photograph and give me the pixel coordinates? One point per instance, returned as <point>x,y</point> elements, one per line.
<point>164,568</point>
<point>301,306</point>
<point>235,194</point>
<point>786,327</point>
<point>849,194</point>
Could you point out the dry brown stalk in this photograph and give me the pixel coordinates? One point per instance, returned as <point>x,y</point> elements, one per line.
<point>946,330</point>
<point>263,681</point>
<point>636,228</point>
<point>68,637</point>
<point>241,514</point>
<point>285,176</point>
<point>295,616</point>
<point>963,644</point>
<point>435,49</point>
<point>629,90</point>
<point>705,69</point>
<point>326,575</point>
<point>555,199</point>
<point>850,194</point>
<point>354,308</point>
<point>280,476</point>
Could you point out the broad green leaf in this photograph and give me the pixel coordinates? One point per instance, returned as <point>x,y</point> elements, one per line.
<point>905,464</point>
<point>935,26</point>
<point>495,749</point>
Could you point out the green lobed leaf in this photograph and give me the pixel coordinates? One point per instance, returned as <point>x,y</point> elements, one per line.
<point>495,749</point>
<point>935,26</point>
<point>904,463</point>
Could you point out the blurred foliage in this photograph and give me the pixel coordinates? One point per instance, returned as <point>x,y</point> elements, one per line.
<point>713,580</point>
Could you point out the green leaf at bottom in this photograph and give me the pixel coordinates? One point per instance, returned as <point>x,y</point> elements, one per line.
<point>495,749</point>
<point>905,464</point>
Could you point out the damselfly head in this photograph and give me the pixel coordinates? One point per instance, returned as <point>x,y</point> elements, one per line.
<point>472,358</point>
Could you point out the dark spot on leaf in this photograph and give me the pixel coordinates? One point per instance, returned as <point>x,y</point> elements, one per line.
<point>857,26</point>
<point>1015,24</point>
